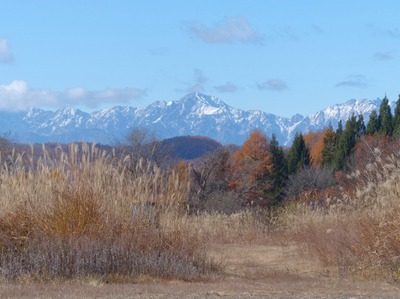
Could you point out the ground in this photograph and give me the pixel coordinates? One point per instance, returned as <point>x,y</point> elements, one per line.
<point>249,271</point>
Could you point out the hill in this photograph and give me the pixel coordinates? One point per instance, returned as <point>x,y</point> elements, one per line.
<point>189,147</point>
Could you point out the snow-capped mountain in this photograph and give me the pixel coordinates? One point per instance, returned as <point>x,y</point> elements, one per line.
<point>194,114</point>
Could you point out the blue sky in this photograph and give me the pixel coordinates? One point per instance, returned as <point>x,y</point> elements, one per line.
<point>282,57</point>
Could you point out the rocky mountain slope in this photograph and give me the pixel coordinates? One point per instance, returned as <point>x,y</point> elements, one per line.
<point>194,114</point>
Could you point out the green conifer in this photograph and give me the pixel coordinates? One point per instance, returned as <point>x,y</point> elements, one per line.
<point>328,151</point>
<point>298,155</point>
<point>372,126</point>
<point>346,143</point>
<point>396,119</point>
<point>385,118</point>
<point>278,173</point>
<point>360,126</point>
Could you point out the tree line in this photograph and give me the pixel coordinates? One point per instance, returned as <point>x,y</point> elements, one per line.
<point>339,145</point>
<point>259,172</point>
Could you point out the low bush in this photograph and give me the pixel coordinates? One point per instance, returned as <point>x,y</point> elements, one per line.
<point>309,178</point>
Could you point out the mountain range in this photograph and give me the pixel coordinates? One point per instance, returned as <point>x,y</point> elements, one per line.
<point>194,114</point>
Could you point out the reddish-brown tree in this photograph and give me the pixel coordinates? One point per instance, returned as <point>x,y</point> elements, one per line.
<point>315,142</point>
<point>251,167</point>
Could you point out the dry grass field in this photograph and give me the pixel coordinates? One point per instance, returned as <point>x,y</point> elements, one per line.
<point>89,224</point>
<point>249,271</point>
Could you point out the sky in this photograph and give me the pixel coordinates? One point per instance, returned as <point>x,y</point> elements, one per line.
<point>281,57</point>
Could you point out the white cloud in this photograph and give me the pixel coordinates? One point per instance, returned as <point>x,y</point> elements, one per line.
<point>273,85</point>
<point>18,95</point>
<point>316,29</point>
<point>111,96</point>
<point>230,29</point>
<point>393,32</point>
<point>76,93</point>
<point>6,55</point>
<point>228,87</point>
<point>200,81</point>
<point>359,81</point>
<point>383,56</point>
<point>158,51</point>
<point>287,33</point>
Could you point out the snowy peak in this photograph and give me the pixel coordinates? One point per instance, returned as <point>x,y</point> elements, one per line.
<point>332,115</point>
<point>197,103</point>
<point>352,106</point>
<point>202,99</point>
<point>194,114</point>
<point>68,117</point>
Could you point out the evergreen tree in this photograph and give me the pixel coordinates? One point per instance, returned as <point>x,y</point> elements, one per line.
<point>360,126</point>
<point>372,126</point>
<point>339,130</point>
<point>278,172</point>
<point>385,118</point>
<point>347,142</point>
<point>298,155</point>
<point>328,151</point>
<point>396,119</point>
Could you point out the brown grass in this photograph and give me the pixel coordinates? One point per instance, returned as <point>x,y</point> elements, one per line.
<point>91,213</point>
<point>358,235</point>
<point>256,226</point>
<point>88,213</point>
<point>250,271</point>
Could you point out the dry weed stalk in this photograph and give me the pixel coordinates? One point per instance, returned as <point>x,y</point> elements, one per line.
<point>361,234</point>
<point>76,213</point>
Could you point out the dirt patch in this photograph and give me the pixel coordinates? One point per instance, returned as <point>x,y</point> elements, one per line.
<point>249,271</point>
<point>255,261</point>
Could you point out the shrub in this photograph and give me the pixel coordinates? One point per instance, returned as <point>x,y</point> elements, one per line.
<point>309,178</point>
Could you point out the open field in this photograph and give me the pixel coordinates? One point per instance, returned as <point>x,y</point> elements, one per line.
<point>89,224</point>
<point>200,149</point>
<point>249,271</point>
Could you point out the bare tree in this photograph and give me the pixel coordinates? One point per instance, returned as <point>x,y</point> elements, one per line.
<point>309,178</point>
<point>143,145</point>
<point>5,142</point>
<point>210,191</point>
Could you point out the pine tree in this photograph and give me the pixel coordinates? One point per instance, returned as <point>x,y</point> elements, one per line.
<point>385,118</point>
<point>360,126</point>
<point>328,151</point>
<point>298,155</point>
<point>396,119</point>
<point>339,130</point>
<point>372,126</point>
<point>346,143</point>
<point>278,172</point>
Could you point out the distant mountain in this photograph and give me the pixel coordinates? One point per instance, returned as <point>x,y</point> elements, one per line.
<point>194,115</point>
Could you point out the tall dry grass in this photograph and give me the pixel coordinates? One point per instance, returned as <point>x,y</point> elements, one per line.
<point>257,226</point>
<point>89,212</point>
<point>358,234</point>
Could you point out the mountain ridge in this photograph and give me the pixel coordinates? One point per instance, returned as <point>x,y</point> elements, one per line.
<point>194,114</point>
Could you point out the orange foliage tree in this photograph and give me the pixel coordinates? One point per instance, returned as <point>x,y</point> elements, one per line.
<point>251,166</point>
<point>315,142</point>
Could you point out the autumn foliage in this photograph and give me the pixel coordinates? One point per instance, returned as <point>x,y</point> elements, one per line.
<point>315,142</point>
<point>250,167</point>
